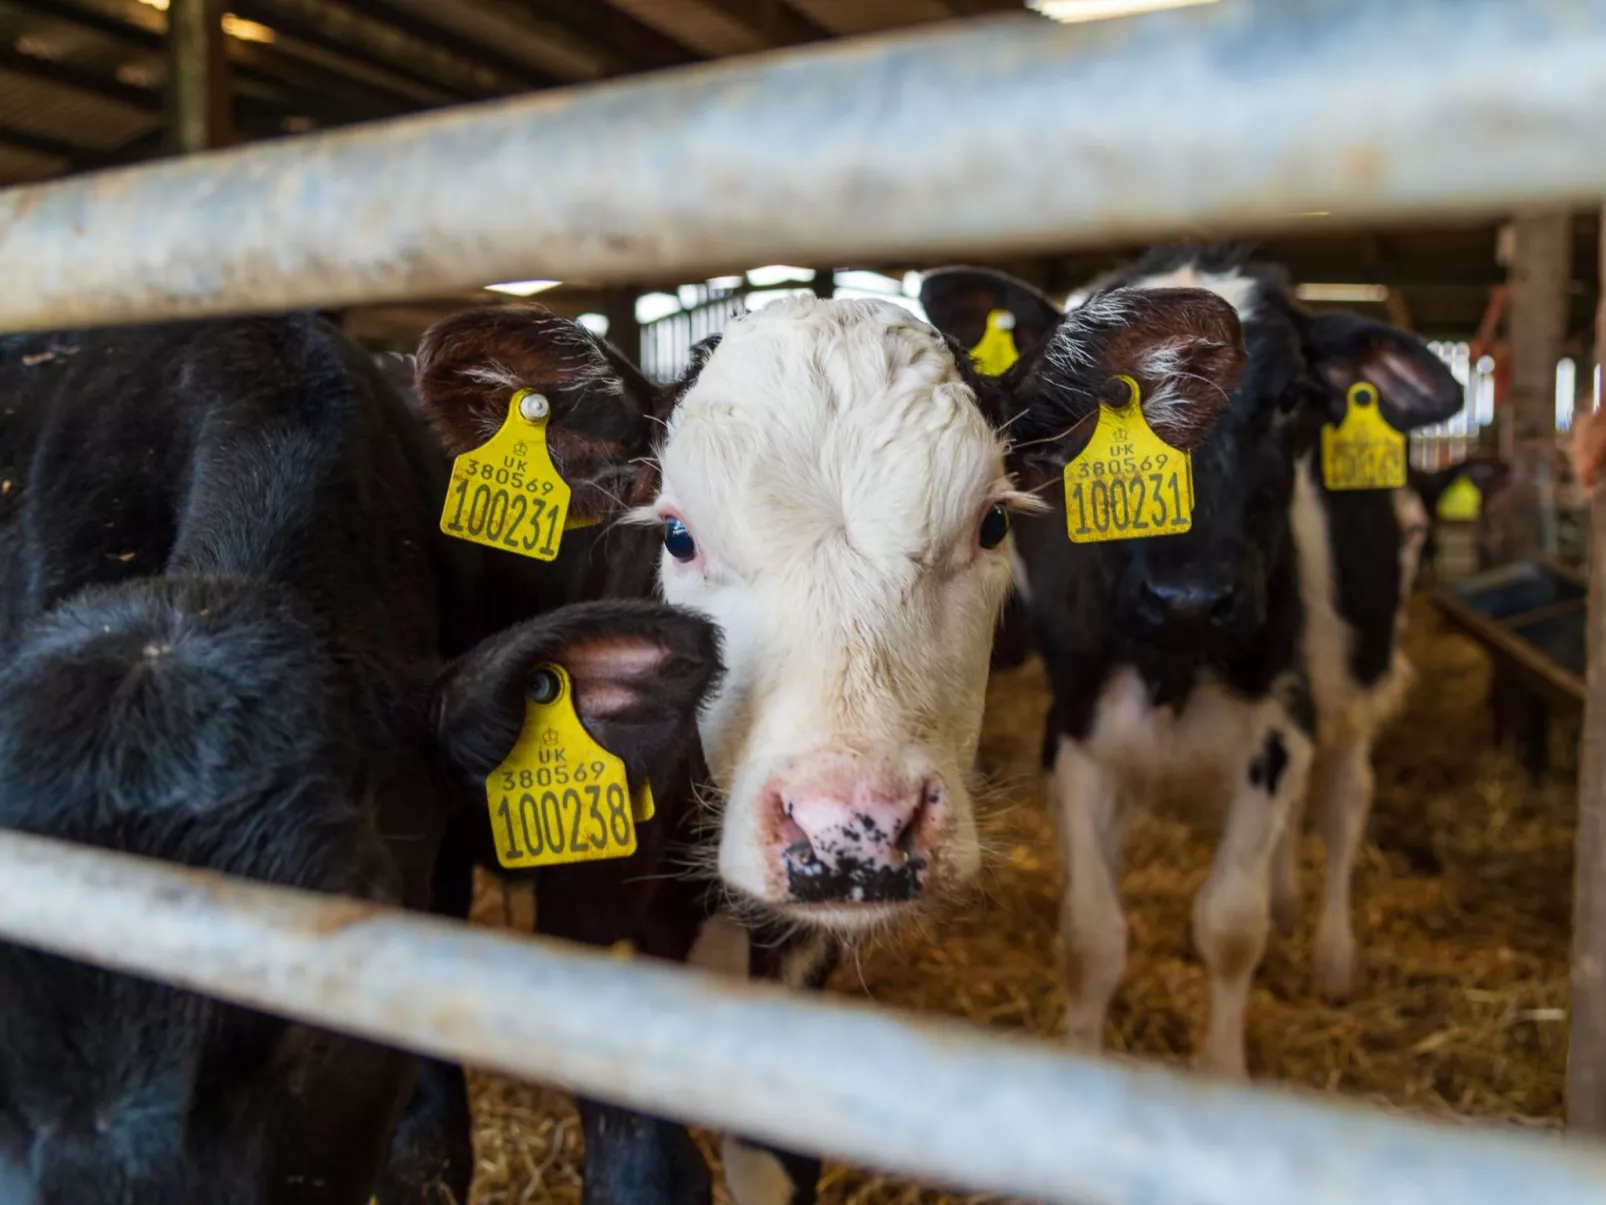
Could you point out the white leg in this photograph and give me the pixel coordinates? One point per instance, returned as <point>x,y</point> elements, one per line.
<point>1093,929</point>
<point>1231,915</point>
<point>754,1175</point>
<point>1285,869</point>
<point>1344,797</point>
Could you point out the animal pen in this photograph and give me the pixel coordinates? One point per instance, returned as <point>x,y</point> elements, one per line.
<point>995,136</point>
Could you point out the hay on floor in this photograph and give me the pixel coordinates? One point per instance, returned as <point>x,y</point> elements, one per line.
<point>1462,896</point>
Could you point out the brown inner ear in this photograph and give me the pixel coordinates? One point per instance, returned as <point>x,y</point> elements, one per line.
<point>1185,345</point>
<point>611,674</point>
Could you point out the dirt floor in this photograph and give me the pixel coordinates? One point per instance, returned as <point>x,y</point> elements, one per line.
<point>1462,898</point>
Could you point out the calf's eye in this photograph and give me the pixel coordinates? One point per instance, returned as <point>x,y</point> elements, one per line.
<point>677,540</point>
<point>994,527</point>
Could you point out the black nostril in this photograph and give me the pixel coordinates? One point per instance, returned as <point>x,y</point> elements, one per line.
<point>1221,608</point>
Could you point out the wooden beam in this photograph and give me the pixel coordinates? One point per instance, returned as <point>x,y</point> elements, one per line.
<point>1540,270</point>
<point>775,21</point>
<point>624,332</point>
<point>416,73</point>
<point>197,76</point>
<point>518,76</point>
<point>38,144</point>
<point>303,87</point>
<point>92,83</point>
<point>1586,1050</point>
<point>631,44</point>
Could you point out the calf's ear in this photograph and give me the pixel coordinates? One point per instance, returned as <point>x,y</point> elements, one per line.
<point>1183,347</point>
<point>959,301</point>
<point>640,671</point>
<point>1414,387</point>
<point>469,366</point>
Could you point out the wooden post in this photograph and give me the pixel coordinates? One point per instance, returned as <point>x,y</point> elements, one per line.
<point>1541,269</point>
<point>824,284</point>
<point>197,76</point>
<point>1586,1053</point>
<point>624,332</point>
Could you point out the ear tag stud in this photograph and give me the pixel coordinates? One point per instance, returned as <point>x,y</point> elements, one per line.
<point>1128,483</point>
<point>996,351</point>
<point>507,493</point>
<point>1363,452</point>
<point>559,796</point>
<point>1462,501</point>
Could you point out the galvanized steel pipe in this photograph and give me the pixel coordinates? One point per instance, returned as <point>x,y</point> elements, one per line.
<point>937,1100</point>
<point>1015,134</point>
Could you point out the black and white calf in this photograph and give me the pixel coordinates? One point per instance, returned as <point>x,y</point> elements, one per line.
<point>829,485</point>
<point>1252,658</point>
<point>226,618</point>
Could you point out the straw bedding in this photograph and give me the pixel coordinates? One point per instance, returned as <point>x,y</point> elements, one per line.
<point>1462,898</point>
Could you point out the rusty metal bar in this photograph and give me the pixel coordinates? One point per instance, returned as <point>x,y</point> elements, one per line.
<point>941,1101</point>
<point>985,137</point>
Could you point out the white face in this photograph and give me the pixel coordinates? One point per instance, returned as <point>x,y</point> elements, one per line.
<point>836,477</point>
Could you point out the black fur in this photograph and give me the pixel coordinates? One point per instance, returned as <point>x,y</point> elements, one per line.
<point>224,609</point>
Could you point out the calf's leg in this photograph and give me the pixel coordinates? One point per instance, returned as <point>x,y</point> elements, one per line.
<point>1231,914</point>
<point>1343,790</point>
<point>1086,794</point>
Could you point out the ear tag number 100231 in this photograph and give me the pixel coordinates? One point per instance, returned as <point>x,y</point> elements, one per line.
<point>559,796</point>
<point>1363,452</point>
<point>507,493</point>
<point>1128,483</point>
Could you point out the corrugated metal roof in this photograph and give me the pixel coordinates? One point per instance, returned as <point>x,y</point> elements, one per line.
<point>847,17</point>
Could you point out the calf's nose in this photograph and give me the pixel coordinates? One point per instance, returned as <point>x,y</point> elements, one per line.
<point>852,838</point>
<point>1189,602</point>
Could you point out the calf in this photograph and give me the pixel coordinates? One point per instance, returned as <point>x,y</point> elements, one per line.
<point>225,618</point>
<point>827,485</point>
<point>1254,654</point>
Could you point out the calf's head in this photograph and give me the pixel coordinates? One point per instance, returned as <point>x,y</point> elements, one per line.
<point>1204,591</point>
<point>827,486</point>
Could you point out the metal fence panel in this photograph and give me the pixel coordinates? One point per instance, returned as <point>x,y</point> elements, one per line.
<point>937,1100</point>
<point>1009,134</point>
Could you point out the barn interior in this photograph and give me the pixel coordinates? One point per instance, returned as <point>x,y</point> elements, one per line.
<point>1464,888</point>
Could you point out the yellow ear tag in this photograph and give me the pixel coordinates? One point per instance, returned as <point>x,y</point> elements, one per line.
<point>1461,500</point>
<point>996,351</point>
<point>1363,452</point>
<point>507,493</point>
<point>559,796</point>
<point>1128,483</point>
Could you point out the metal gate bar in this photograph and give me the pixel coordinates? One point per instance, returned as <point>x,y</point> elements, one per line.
<point>1008,134</point>
<point>941,1101</point>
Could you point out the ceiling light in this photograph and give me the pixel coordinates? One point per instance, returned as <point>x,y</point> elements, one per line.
<point>524,288</point>
<point>1338,292</point>
<point>1097,10</point>
<point>777,274</point>
<point>248,31</point>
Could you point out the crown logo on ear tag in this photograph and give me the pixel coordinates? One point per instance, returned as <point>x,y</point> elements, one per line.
<point>1363,452</point>
<point>1128,483</point>
<point>996,351</point>
<point>507,493</point>
<point>1462,501</point>
<point>559,796</point>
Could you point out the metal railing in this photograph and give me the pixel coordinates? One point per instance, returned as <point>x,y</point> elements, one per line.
<point>998,136</point>
<point>935,1099</point>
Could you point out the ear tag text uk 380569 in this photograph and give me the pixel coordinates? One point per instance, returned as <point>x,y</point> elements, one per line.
<point>507,493</point>
<point>1363,452</point>
<point>559,796</point>
<point>1128,483</point>
<point>996,351</point>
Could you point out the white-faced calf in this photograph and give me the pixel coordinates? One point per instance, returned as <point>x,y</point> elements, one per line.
<point>1250,656</point>
<point>827,486</point>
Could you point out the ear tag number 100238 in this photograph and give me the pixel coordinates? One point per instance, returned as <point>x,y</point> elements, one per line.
<point>507,493</point>
<point>1128,483</point>
<point>1363,452</point>
<point>559,796</point>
